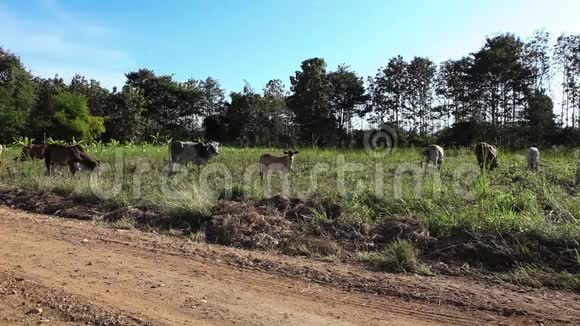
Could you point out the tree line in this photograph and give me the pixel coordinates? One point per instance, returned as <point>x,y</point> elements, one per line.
<point>499,93</point>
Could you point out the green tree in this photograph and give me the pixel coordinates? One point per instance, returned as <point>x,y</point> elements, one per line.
<point>277,117</point>
<point>537,59</point>
<point>419,94</point>
<point>540,118</point>
<point>453,85</point>
<point>310,102</point>
<point>210,100</point>
<point>125,121</point>
<point>98,97</point>
<point>16,96</point>
<point>73,119</point>
<point>213,96</point>
<point>567,55</point>
<point>346,99</point>
<point>388,91</point>
<point>41,121</point>
<point>499,72</point>
<point>243,117</point>
<point>169,105</point>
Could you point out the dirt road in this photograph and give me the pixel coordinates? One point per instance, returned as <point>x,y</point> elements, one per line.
<point>66,272</point>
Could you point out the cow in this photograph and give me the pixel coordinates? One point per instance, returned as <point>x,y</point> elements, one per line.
<point>534,159</point>
<point>184,152</point>
<point>486,156</point>
<point>75,157</point>
<point>281,163</point>
<point>433,154</point>
<point>32,151</point>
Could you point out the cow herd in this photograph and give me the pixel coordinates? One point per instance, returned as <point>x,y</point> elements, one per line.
<point>485,153</point>
<point>182,152</point>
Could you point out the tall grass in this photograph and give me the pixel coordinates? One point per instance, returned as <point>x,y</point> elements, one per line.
<point>369,187</point>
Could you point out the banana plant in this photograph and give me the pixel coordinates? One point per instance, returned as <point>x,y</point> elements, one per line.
<point>22,141</point>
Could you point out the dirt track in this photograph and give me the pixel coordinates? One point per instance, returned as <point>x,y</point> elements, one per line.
<point>81,272</point>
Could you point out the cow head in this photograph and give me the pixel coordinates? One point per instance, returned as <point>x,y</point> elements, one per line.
<point>24,154</point>
<point>291,154</point>
<point>88,165</point>
<point>212,147</point>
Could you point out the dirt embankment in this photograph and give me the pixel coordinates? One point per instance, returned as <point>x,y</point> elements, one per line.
<point>318,227</point>
<point>79,271</point>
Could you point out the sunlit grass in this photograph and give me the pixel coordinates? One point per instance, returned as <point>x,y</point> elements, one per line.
<point>369,187</point>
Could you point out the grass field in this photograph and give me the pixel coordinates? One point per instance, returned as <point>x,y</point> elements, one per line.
<point>510,203</point>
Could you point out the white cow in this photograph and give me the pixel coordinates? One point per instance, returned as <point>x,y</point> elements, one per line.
<point>534,159</point>
<point>183,152</point>
<point>433,154</point>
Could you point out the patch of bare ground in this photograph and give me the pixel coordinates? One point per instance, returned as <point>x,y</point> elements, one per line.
<point>167,280</point>
<point>26,302</point>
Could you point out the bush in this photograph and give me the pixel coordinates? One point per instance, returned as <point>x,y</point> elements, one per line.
<point>73,120</point>
<point>398,256</point>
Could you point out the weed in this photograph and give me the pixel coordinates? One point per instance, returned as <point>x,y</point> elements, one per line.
<point>397,256</point>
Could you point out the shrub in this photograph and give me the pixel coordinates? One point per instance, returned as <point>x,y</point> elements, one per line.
<point>397,256</point>
<point>72,118</point>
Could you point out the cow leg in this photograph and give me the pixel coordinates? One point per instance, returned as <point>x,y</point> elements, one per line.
<point>47,167</point>
<point>171,167</point>
<point>72,167</point>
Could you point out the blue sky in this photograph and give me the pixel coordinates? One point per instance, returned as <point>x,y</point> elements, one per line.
<point>257,40</point>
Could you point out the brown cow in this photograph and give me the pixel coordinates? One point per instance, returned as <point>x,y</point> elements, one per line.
<point>33,151</point>
<point>74,157</point>
<point>281,163</point>
<point>486,156</point>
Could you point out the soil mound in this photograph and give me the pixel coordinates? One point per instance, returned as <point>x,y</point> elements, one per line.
<point>243,225</point>
<point>296,209</point>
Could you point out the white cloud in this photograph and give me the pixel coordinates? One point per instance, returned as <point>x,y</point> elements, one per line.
<point>65,45</point>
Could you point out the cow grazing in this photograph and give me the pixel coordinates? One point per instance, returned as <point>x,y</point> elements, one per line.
<point>486,156</point>
<point>534,159</point>
<point>32,151</point>
<point>184,152</point>
<point>74,157</point>
<point>281,163</point>
<point>433,154</point>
